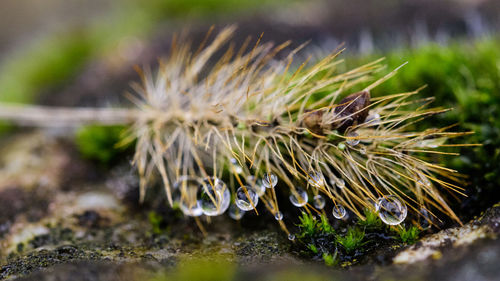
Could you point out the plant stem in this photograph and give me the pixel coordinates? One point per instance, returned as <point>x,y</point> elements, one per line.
<point>45,116</point>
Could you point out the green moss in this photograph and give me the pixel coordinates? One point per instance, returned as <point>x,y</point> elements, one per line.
<point>313,248</point>
<point>319,237</point>
<point>322,242</point>
<point>408,235</point>
<point>330,260</point>
<point>371,221</point>
<point>352,240</point>
<point>99,143</point>
<point>308,225</point>
<point>324,225</point>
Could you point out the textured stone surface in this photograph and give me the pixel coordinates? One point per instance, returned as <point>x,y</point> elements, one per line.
<point>58,219</point>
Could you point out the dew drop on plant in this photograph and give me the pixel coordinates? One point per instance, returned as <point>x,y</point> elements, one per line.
<point>184,193</point>
<point>340,183</point>
<point>333,181</point>
<point>278,216</point>
<point>235,213</point>
<point>373,119</point>
<point>346,216</point>
<point>291,237</point>
<point>352,142</point>
<point>236,166</point>
<point>338,211</point>
<point>258,188</point>
<point>391,210</point>
<point>319,201</point>
<point>299,197</point>
<point>269,180</point>
<point>244,200</point>
<point>424,219</point>
<point>316,179</point>
<point>213,197</point>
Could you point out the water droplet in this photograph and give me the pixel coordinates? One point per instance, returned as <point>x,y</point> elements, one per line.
<point>338,211</point>
<point>244,200</point>
<point>291,237</point>
<point>235,213</point>
<point>269,180</point>
<point>316,179</point>
<point>213,197</point>
<point>258,187</point>
<point>298,197</point>
<point>340,183</point>
<point>236,166</point>
<point>424,219</point>
<point>373,119</point>
<point>319,201</point>
<point>278,216</point>
<point>184,193</point>
<point>352,142</point>
<point>391,210</point>
<point>332,181</point>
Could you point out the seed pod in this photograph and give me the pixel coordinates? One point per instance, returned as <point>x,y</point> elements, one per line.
<point>313,120</point>
<point>351,111</point>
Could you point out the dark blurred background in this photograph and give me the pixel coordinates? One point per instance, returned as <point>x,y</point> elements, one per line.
<point>52,45</point>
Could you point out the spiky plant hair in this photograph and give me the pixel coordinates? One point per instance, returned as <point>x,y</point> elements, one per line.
<point>246,115</point>
<point>249,107</point>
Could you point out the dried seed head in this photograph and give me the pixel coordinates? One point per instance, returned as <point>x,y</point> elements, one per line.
<point>249,108</point>
<point>351,111</point>
<point>193,116</point>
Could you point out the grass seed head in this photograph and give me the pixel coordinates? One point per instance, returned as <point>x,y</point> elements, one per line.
<point>251,119</point>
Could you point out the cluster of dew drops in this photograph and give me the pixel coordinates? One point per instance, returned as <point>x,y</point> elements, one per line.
<point>212,197</point>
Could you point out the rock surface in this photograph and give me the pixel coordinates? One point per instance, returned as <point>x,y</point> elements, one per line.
<point>61,219</point>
